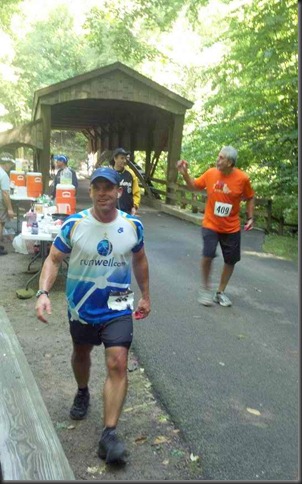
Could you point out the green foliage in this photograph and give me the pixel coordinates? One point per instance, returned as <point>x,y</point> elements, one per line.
<point>70,143</point>
<point>282,246</point>
<point>7,9</point>
<point>111,36</point>
<point>253,100</point>
<point>152,15</point>
<point>248,99</point>
<point>126,31</point>
<point>49,53</point>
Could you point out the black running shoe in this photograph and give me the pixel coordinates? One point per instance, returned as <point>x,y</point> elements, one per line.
<point>111,448</point>
<point>80,406</point>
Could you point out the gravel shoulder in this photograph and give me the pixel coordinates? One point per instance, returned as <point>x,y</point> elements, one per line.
<point>157,450</point>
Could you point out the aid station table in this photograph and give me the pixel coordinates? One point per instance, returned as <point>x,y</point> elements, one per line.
<point>16,197</point>
<point>46,234</point>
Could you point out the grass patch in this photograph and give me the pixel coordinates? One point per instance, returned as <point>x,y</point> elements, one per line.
<point>282,246</point>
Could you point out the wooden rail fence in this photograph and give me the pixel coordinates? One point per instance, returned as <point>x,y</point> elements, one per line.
<point>179,195</point>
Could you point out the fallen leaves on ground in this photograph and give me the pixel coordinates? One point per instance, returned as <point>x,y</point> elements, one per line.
<point>177,453</point>
<point>163,418</point>
<point>161,439</point>
<point>141,439</point>
<point>136,407</point>
<point>194,458</point>
<point>96,469</point>
<point>254,411</point>
<point>64,425</point>
<point>240,336</point>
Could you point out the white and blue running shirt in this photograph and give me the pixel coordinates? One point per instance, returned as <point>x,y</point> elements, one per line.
<point>100,258</point>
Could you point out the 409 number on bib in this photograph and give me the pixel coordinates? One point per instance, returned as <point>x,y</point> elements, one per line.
<point>222,209</point>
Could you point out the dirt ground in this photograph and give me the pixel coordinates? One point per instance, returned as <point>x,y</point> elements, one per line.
<point>156,449</point>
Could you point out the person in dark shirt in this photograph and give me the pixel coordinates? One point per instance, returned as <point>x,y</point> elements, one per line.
<point>61,163</point>
<point>130,199</point>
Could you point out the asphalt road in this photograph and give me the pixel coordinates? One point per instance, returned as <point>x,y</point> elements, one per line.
<point>209,365</point>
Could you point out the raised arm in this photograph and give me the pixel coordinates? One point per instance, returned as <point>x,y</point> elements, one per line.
<point>47,278</point>
<point>182,167</point>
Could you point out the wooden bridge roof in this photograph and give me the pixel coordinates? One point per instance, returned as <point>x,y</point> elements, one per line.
<point>84,100</point>
<point>113,106</point>
<point>112,100</point>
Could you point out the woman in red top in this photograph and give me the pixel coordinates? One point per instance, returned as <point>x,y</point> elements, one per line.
<point>226,187</point>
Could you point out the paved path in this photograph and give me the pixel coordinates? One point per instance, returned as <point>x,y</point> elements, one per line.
<point>209,365</point>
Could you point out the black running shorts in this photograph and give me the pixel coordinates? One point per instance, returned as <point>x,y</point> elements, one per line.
<point>229,243</point>
<point>115,332</point>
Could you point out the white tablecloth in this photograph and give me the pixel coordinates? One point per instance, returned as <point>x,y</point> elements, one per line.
<point>42,235</point>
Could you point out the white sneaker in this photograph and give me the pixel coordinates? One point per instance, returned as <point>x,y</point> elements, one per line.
<point>222,299</point>
<point>205,297</point>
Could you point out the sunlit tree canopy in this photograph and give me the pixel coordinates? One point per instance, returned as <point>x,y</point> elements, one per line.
<point>237,60</point>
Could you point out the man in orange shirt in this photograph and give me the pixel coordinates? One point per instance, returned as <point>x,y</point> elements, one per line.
<point>226,187</point>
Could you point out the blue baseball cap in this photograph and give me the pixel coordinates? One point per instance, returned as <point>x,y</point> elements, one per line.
<point>108,173</point>
<point>61,158</point>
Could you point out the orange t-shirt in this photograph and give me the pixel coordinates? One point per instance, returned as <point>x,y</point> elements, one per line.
<point>224,194</point>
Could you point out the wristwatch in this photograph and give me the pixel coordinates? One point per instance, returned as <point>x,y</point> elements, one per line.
<point>40,292</point>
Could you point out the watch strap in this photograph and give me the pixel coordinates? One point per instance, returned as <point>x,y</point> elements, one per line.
<point>40,292</point>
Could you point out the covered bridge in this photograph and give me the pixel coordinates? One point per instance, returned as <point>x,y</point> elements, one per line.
<point>112,106</point>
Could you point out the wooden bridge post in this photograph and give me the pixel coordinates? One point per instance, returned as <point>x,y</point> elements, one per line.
<point>44,157</point>
<point>269,215</point>
<point>174,150</point>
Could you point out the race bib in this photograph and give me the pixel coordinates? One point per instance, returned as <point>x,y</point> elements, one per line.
<point>222,209</point>
<point>119,300</point>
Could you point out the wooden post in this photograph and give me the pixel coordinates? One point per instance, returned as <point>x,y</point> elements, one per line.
<point>36,158</point>
<point>44,157</point>
<point>269,216</point>
<point>105,142</point>
<point>99,147</point>
<point>133,139</point>
<point>174,146</point>
<point>147,163</point>
<point>150,144</point>
<point>114,139</point>
<point>105,137</point>
<point>281,225</point>
<point>194,200</point>
<point>126,139</point>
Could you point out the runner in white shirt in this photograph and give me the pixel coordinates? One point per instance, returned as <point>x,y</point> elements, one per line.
<point>101,242</point>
